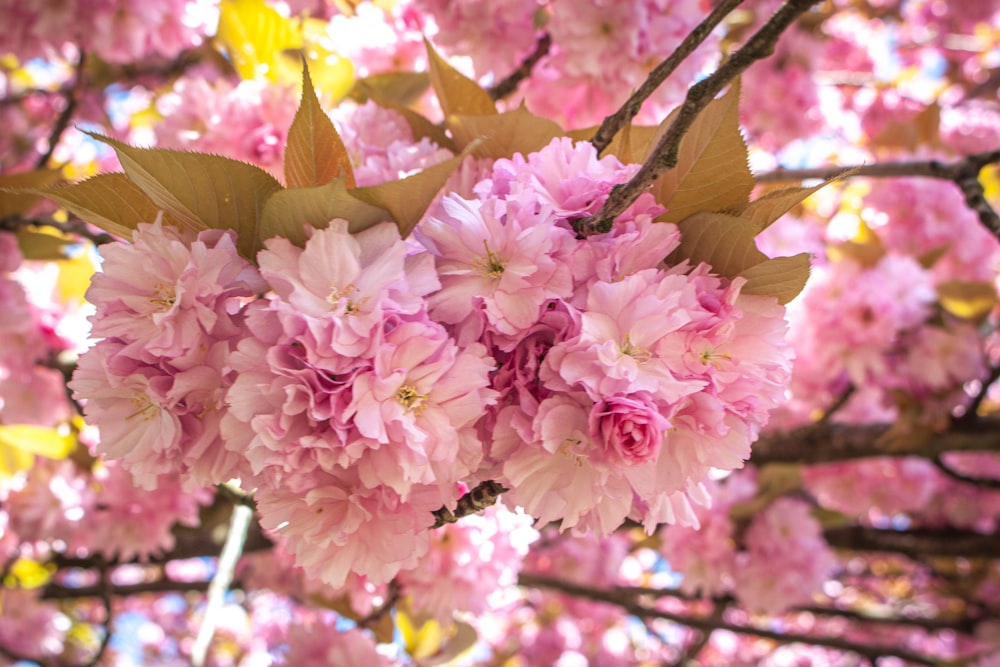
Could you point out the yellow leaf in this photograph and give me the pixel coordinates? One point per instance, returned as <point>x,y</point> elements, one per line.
<point>20,191</point>
<point>20,443</point>
<point>109,201</point>
<point>407,199</point>
<point>288,212</point>
<point>502,135</point>
<point>333,73</point>
<point>27,573</point>
<point>421,641</point>
<point>314,154</point>
<point>712,172</point>
<point>724,242</point>
<point>74,277</point>
<point>969,300</point>
<point>254,34</point>
<point>781,277</point>
<point>458,94</point>
<point>201,191</point>
<point>633,143</point>
<point>865,255</point>
<point>462,639</point>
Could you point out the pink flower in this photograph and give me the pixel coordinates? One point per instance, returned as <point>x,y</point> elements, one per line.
<point>630,428</point>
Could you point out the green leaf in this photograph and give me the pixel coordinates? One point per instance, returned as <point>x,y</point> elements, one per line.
<point>287,212</point>
<point>21,190</point>
<point>254,34</point>
<point>407,199</point>
<point>502,135</point>
<point>781,277</point>
<point>42,245</point>
<point>109,201</point>
<point>724,242</point>
<point>201,191</point>
<point>314,154</point>
<point>712,172</point>
<point>397,88</point>
<point>458,94</point>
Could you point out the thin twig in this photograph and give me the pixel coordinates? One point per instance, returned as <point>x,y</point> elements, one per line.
<point>619,119</point>
<point>708,624</point>
<point>691,652</point>
<point>837,405</point>
<point>509,83</point>
<point>105,595</point>
<point>239,525</point>
<point>972,410</point>
<point>665,155</point>
<point>963,172</point>
<point>74,227</point>
<point>72,98</point>
<point>981,482</point>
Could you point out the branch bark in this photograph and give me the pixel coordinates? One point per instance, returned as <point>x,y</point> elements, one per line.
<point>664,156</point>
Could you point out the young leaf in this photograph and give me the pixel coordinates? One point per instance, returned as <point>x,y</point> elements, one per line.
<point>20,443</point>
<point>724,242</point>
<point>765,210</point>
<point>502,135</point>
<point>407,199</point>
<point>21,190</point>
<point>288,212</point>
<point>458,94</point>
<point>712,172</point>
<point>781,277</point>
<point>396,88</point>
<point>109,201</point>
<point>255,34</point>
<point>42,245</point>
<point>314,154</point>
<point>201,191</point>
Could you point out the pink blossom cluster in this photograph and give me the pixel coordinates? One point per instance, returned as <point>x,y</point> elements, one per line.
<point>355,411</point>
<point>381,146</point>
<point>169,313</point>
<point>779,561</point>
<point>246,121</point>
<point>119,31</point>
<point>621,381</point>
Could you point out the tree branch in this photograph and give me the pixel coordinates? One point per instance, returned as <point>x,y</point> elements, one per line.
<point>916,543</point>
<point>619,119</point>
<point>825,442</point>
<point>664,156</point>
<point>72,97</point>
<point>964,173</point>
<point>981,482</point>
<point>509,83</point>
<point>74,227</point>
<point>708,624</point>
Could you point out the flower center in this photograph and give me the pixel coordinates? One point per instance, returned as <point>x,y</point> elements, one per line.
<point>348,294</point>
<point>410,398</point>
<point>630,350</point>
<point>163,296</point>
<point>491,265</point>
<point>145,409</point>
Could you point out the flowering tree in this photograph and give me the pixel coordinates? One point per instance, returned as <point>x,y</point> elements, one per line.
<point>428,332</point>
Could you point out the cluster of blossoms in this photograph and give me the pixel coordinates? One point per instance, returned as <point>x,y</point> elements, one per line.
<point>119,31</point>
<point>359,383</point>
<point>784,538</point>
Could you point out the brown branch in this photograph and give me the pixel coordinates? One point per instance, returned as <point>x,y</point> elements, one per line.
<point>72,98</point>
<point>476,500</point>
<point>105,594</point>
<point>831,442</point>
<point>981,482</point>
<point>619,119</point>
<point>509,83</point>
<point>665,155</point>
<point>62,592</point>
<point>74,227</point>
<point>964,173</point>
<point>708,624</point>
<point>916,543</point>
